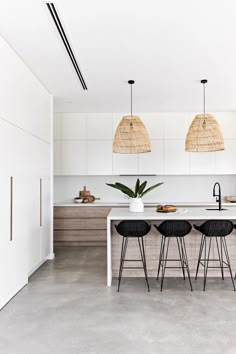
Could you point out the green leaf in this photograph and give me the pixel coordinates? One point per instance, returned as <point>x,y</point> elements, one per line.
<point>142,187</point>
<point>125,188</point>
<point>151,188</point>
<point>121,187</point>
<point>136,188</point>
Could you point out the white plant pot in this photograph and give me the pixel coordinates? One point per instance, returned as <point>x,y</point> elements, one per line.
<point>136,205</point>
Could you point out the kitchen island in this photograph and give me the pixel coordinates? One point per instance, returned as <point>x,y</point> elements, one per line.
<point>152,240</point>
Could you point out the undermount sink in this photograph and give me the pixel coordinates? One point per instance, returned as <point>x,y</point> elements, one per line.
<point>216,209</point>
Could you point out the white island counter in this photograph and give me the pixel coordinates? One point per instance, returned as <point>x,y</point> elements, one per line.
<point>194,214</point>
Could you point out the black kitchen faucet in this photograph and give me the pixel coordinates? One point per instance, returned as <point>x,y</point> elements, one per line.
<point>217,195</point>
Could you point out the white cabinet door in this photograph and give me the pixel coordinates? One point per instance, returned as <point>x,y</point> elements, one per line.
<point>99,126</point>
<point>45,201</point>
<point>73,157</point>
<point>73,126</point>
<point>99,157</point>
<point>13,229</point>
<point>176,125</point>
<point>225,160</point>
<point>176,158</point>
<point>226,121</point>
<point>26,105</point>
<point>202,163</point>
<point>152,162</point>
<point>125,164</point>
<point>154,124</point>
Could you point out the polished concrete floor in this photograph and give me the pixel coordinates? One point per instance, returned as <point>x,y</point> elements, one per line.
<point>67,308</point>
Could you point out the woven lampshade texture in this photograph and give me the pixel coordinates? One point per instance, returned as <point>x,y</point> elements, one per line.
<point>204,135</point>
<point>131,137</point>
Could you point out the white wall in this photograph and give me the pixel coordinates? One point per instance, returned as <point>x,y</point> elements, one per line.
<point>174,189</point>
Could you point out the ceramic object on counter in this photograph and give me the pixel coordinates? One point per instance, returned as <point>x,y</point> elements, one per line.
<point>136,205</point>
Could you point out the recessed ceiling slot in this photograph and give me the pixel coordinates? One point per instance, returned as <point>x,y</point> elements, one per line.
<point>65,41</point>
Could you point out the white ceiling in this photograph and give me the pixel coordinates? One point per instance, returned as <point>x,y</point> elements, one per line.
<point>165,46</point>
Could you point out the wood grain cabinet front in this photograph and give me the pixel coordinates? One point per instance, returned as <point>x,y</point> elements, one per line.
<point>80,225</point>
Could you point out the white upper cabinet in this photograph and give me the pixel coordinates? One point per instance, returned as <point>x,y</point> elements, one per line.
<point>153,123</point>
<point>24,101</point>
<point>225,160</point>
<point>73,126</point>
<point>73,157</point>
<point>125,164</point>
<point>167,132</point>
<point>176,125</point>
<point>152,162</point>
<point>99,126</point>
<point>176,158</point>
<point>202,163</point>
<point>99,157</point>
<point>227,124</point>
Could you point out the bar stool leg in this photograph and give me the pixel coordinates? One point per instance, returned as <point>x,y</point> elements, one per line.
<point>200,255</point>
<point>181,257</point>
<point>220,259</point>
<point>143,257</point>
<point>160,256</point>
<point>122,259</point>
<point>206,262</point>
<point>228,260</point>
<point>186,261</point>
<point>164,260</point>
<point>222,255</point>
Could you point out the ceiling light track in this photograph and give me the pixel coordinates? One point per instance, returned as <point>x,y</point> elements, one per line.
<point>66,43</point>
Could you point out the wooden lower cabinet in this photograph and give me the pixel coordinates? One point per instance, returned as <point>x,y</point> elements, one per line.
<point>80,225</point>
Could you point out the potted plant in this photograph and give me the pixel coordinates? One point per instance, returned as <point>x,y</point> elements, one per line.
<point>136,203</point>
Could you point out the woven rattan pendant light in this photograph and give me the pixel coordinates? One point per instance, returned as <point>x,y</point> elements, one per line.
<point>131,136</point>
<point>204,134</point>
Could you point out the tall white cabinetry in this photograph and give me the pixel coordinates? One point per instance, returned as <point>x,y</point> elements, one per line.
<point>83,146</point>
<point>25,174</point>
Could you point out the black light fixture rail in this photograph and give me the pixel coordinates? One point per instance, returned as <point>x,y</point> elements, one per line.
<point>66,43</point>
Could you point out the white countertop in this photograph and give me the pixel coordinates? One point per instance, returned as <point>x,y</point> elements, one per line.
<point>111,204</point>
<point>189,213</point>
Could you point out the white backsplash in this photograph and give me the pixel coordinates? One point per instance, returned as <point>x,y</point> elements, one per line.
<point>175,188</point>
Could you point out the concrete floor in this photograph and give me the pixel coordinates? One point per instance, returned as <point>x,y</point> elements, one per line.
<point>67,308</point>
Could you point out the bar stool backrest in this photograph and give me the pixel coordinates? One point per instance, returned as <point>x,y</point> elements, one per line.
<point>133,228</point>
<point>216,227</point>
<point>175,228</point>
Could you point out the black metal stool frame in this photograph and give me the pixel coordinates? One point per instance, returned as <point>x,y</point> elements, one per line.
<point>163,257</point>
<point>125,240</point>
<point>221,250</point>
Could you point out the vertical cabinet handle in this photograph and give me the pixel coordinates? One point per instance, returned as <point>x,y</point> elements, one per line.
<point>41,204</point>
<point>11,208</point>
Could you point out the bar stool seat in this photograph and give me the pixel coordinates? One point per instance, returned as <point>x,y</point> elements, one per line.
<point>132,229</point>
<point>170,229</point>
<point>218,230</point>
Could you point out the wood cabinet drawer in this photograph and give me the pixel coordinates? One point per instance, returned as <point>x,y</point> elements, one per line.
<point>79,235</point>
<point>81,212</point>
<point>68,212</point>
<point>80,224</point>
<point>67,224</point>
<point>96,212</point>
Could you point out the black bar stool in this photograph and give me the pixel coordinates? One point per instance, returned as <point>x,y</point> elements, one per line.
<point>173,229</point>
<point>130,229</point>
<point>217,229</point>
